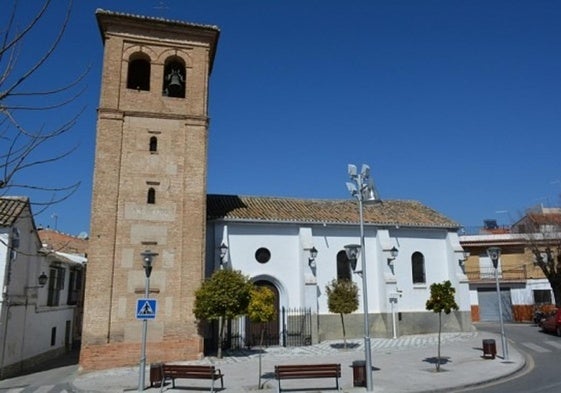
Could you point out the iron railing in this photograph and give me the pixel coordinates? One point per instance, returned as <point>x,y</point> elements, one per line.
<point>511,274</point>
<point>296,330</point>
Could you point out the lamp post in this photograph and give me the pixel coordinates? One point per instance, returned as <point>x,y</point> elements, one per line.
<point>494,254</point>
<point>361,187</point>
<point>147,257</point>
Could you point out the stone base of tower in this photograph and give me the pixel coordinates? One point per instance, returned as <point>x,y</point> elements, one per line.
<point>100,357</point>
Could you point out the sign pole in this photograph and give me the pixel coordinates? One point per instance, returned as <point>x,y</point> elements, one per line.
<point>141,377</point>
<point>147,257</point>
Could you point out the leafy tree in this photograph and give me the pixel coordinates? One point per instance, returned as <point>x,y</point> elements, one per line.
<point>261,310</point>
<point>441,299</point>
<point>342,298</point>
<point>261,307</point>
<point>224,296</point>
<point>28,98</point>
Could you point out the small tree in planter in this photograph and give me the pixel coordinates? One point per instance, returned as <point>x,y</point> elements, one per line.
<point>342,298</point>
<point>224,296</point>
<point>261,310</point>
<point>441,299</point>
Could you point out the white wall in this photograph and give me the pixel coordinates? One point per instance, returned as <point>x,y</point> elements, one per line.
<point>26,320</point>
<point>289,269</point>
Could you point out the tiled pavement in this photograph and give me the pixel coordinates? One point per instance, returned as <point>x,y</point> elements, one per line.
<point>403,365</point>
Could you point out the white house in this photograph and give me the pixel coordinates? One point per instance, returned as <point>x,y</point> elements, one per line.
<point>39,292</point>
<point>271,240</point>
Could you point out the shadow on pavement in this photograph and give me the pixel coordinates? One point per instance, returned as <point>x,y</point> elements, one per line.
<point>68,359</point>
<point>434,360</point>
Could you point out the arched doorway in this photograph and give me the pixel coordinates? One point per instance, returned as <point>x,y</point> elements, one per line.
<point>271,334</point>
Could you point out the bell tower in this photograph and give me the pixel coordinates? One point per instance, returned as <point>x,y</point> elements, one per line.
<point>149,188</point>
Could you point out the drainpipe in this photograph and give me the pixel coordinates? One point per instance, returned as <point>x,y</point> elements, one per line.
<point>4,314</point>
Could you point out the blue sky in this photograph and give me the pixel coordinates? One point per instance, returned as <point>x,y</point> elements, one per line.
<point>456,104</point>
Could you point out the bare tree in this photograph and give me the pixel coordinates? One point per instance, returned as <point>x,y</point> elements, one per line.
<point>26,141</point>
<point>542,230</point>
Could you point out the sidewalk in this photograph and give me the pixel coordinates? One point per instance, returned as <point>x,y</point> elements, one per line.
<point>405,364</point>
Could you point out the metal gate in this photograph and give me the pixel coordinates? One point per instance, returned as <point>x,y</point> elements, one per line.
<point>297,327</point>
<point>489,306</point>
<point>296,331</point>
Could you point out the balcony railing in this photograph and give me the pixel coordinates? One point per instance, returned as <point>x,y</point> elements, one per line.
<point>488,274</point>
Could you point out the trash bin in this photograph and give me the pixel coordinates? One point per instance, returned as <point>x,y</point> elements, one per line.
<point>489,348</point>
<point>156,374</point>
<point>359,373</point>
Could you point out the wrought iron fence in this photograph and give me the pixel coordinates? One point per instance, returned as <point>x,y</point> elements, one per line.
<point>297,327</point>
<point>296,330</point>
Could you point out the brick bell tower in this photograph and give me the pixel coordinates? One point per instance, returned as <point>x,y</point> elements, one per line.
<point>149,188</point>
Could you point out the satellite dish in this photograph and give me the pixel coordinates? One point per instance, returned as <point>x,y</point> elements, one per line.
<point>83,235</point>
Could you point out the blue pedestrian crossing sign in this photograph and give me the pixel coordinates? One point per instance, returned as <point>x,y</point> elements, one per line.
<point>146,308</point>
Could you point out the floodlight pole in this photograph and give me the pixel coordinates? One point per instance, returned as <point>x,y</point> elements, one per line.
<point>367,352</point>
<point>362,187</point>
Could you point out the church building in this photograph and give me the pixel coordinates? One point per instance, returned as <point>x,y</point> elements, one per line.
<point>149,195</point>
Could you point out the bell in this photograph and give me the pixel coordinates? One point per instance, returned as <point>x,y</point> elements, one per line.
<point>175,85</point>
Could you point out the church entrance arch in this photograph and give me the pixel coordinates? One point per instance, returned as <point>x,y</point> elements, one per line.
<point>271,330</point>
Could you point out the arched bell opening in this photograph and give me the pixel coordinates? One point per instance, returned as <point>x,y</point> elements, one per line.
<point>174,78</point>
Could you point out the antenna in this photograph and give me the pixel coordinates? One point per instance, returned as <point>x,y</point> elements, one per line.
<point>161,5</point>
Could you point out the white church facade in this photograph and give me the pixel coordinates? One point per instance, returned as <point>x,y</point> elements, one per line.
<point>296,247</point>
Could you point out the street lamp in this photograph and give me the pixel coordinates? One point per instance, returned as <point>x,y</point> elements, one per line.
<point>147,257</point>
<point>223,249</point>
<point>312,258</point>
<point>494,254</point>
<point>362,188</point>
<point>42,280</point>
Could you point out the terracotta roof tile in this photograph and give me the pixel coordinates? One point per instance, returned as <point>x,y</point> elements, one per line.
<point>57,241</point>
<point>251,208</point>
<point>10,209</point>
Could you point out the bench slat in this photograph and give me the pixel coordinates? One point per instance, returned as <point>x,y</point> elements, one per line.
<point>305,371</point>
<point>188,371</point>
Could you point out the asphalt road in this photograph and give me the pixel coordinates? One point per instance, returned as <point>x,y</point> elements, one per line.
<point>543,353</point>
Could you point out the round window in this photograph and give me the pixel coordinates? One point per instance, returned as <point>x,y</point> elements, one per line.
<point>262,255</point>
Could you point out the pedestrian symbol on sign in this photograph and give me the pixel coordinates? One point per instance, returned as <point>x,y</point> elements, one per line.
<point>146,309</point>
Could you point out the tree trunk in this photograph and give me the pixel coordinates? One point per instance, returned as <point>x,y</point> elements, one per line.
<point>439,330</point>
<point>260,352</point>
<point>344,332</point>
<point>556,287</point>
<point>221,323</point>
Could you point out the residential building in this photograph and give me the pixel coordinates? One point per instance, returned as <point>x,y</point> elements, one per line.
<point>37,309</point>
<point>71,250</point>
<point>524,288</point>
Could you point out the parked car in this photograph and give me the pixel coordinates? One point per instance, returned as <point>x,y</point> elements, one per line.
<point>552,323</point>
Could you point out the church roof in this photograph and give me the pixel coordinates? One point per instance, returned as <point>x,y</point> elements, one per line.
<point>276,209</point>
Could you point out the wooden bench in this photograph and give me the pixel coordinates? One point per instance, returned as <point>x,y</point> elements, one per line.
<point>187,371</point>
<point>305,371</point>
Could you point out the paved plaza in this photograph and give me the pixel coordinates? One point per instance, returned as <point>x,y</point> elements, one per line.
<point>405,364</point>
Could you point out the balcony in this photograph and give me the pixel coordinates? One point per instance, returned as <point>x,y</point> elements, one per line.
<point>488,274</point>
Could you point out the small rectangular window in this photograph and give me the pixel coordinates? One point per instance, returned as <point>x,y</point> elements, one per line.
<point>53,336</point>
<point>542,296</point>
<point>56,284</point>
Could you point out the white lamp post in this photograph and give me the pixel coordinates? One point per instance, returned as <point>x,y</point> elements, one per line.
<point>147,257</point>
<point>494,254</point>
<point>362,188</point>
